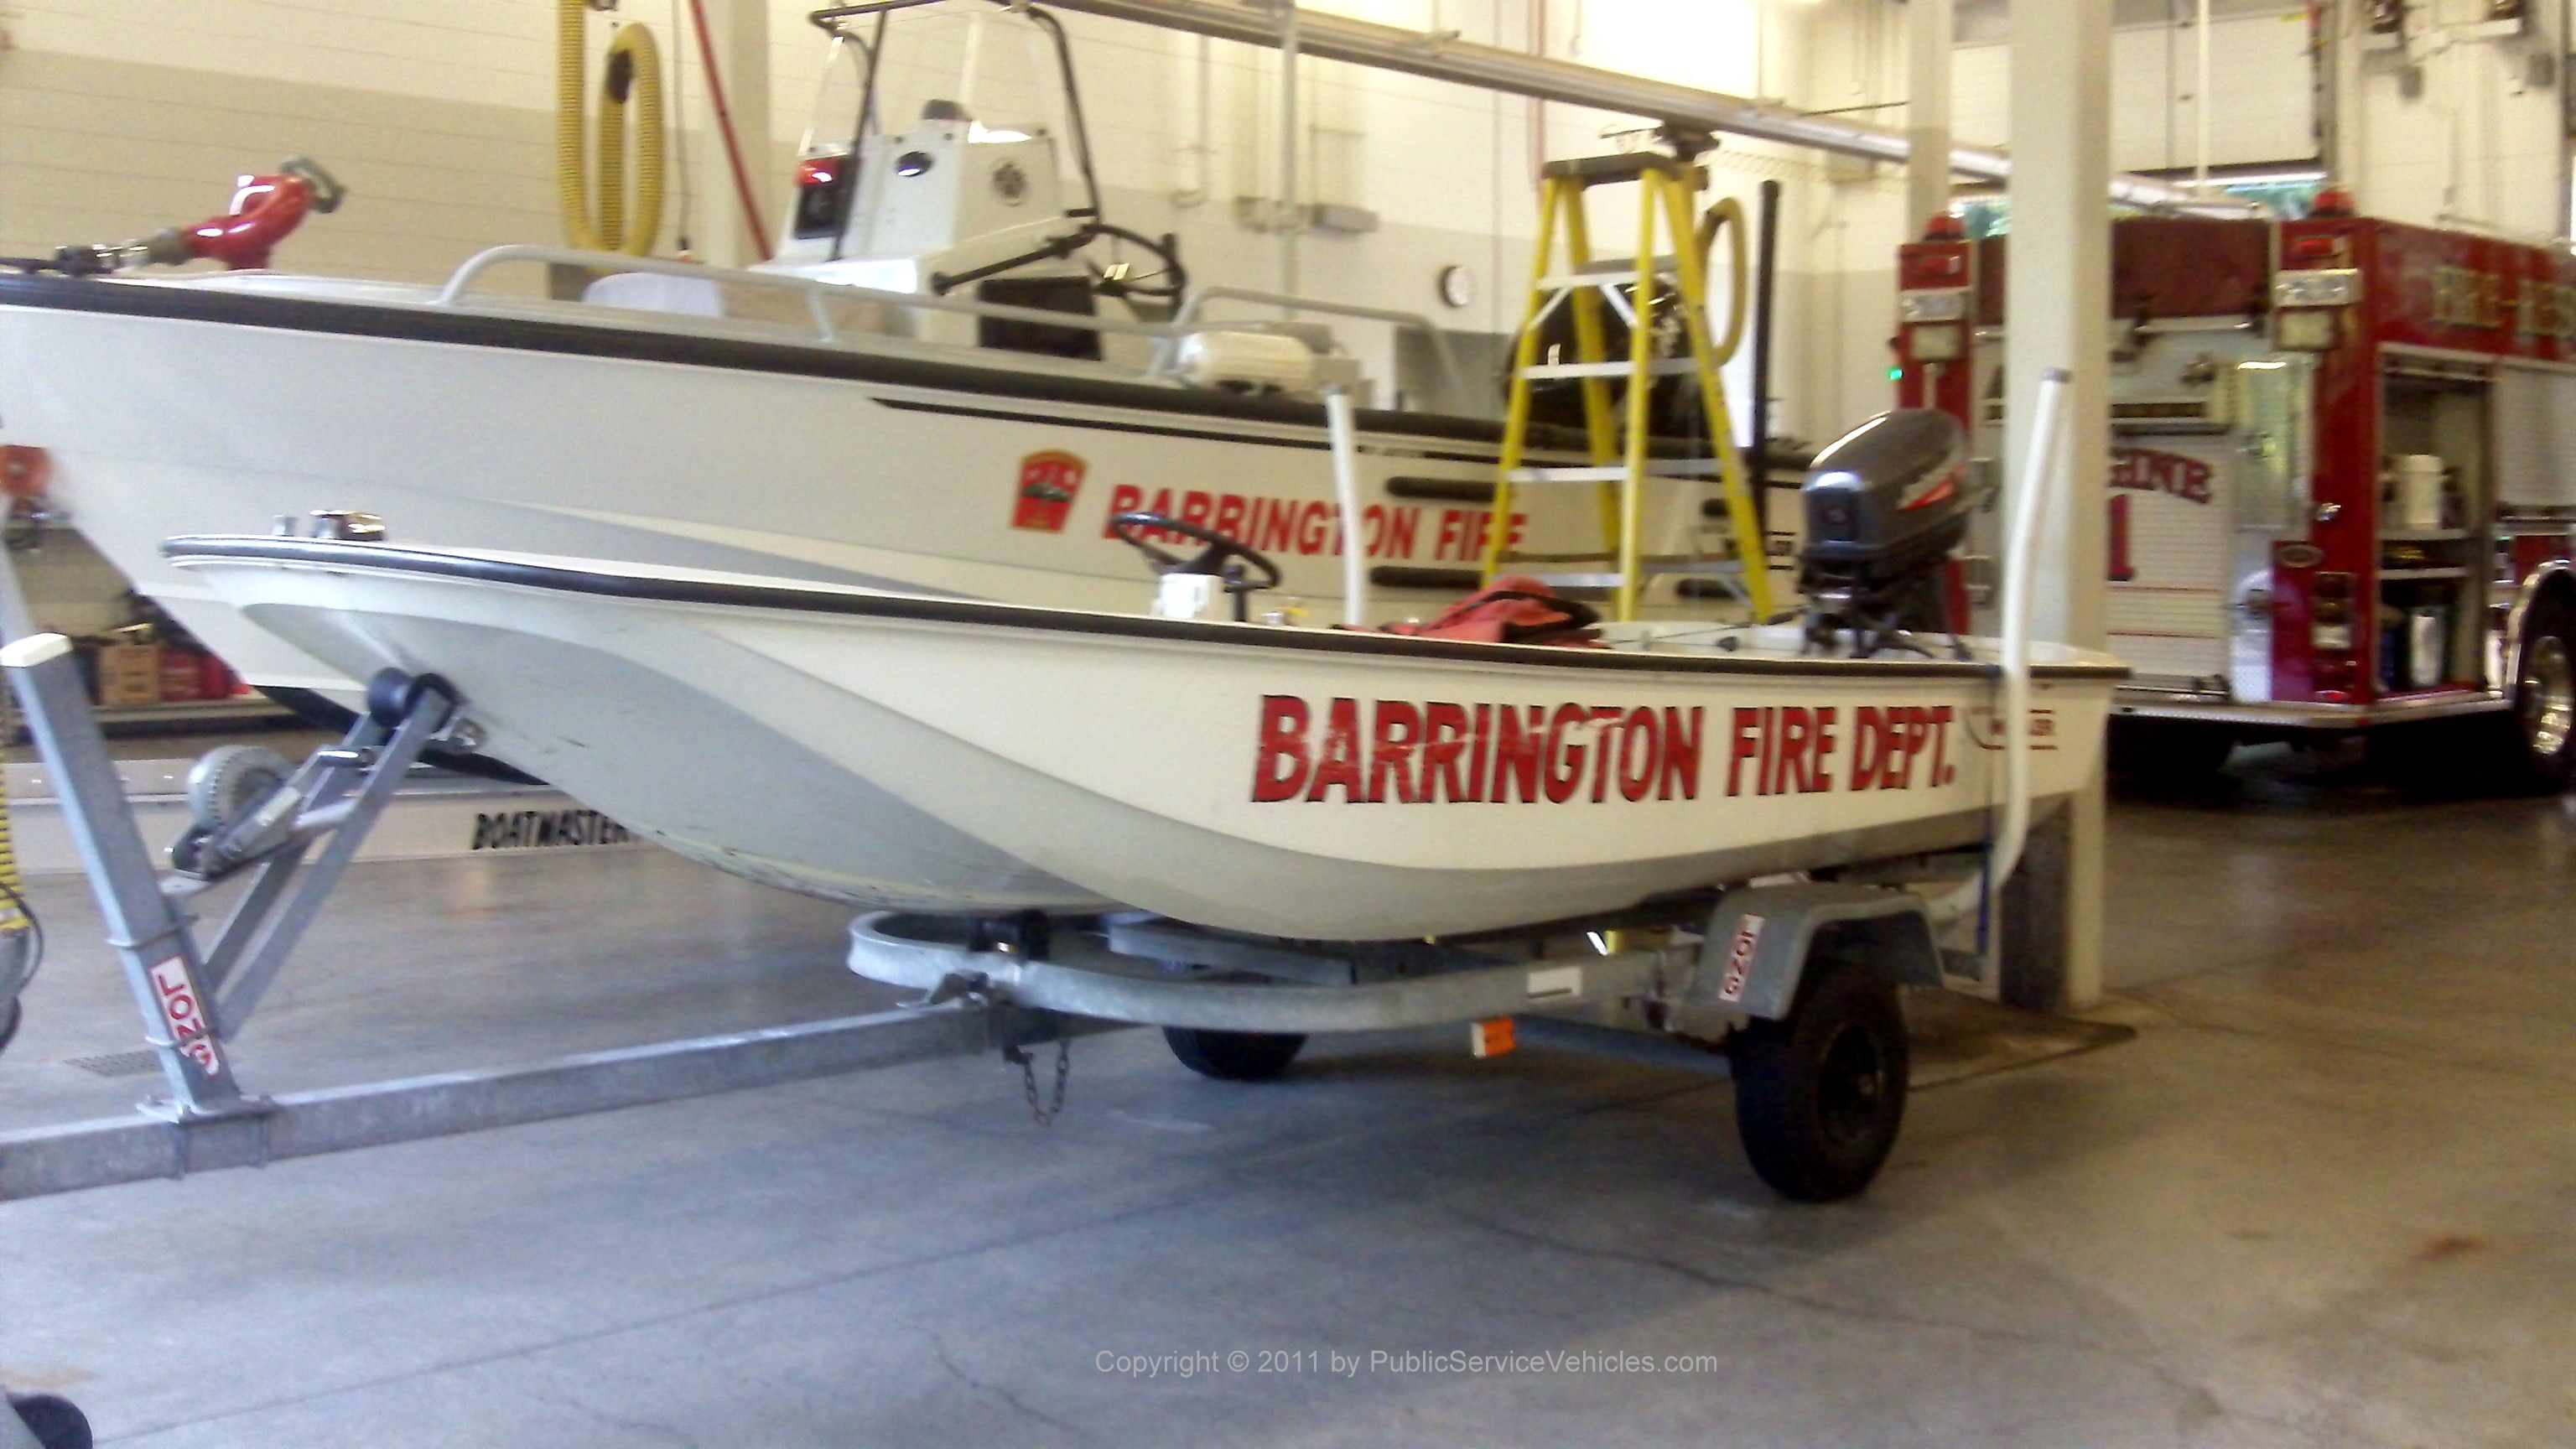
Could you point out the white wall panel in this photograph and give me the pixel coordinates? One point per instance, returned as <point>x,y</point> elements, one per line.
<point>2258,79</point>
<point>2464,137</point>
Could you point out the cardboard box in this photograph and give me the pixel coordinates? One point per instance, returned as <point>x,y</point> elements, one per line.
<point>129,674</point>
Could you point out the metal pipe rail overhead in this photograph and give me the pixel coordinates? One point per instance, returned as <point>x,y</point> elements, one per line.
<point>1443,56</point>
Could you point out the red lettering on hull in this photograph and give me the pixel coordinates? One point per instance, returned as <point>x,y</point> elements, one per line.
<point>1400,752</point>
<point>1441,752</point>
<point>1305,527</point>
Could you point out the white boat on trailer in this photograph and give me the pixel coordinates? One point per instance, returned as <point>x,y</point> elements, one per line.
<point>1244,832</point>
<point>899,751</point>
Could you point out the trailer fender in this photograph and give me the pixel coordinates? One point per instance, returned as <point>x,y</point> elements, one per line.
<point>1761,940</point>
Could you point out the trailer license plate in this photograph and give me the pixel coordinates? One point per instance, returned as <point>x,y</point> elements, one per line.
<point>1739,959</point>
<point>179,1006</point>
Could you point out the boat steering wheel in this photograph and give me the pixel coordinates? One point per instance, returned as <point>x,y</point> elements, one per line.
<point>1223,557</point>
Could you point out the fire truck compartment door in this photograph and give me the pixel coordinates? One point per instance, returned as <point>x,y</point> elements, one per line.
<point>2533,418</point>
<point>2172,535</point>
<point>2274,421</point>
<point>2194,517</point>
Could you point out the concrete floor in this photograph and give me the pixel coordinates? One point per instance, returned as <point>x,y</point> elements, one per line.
<point>2324,1198</point>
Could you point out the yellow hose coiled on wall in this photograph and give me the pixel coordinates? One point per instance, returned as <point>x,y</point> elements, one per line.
<point>634,67</point>
<point>12,888</point>
<point>1727,213</point>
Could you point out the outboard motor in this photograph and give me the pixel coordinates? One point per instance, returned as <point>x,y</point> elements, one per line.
<point>1885,505</point>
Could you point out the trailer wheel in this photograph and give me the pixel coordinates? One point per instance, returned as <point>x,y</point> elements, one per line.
<point>10,1018</point>
<point>55,1422</point>
<point>2544,700</point>
<point>1819,1095</point>
<point>1233,1056</point>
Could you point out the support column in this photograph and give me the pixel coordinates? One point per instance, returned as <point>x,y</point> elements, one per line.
<point>1927,112</point>
<point>2058,302</point>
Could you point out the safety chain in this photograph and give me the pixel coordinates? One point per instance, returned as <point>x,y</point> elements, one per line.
<point>1018,1056</point>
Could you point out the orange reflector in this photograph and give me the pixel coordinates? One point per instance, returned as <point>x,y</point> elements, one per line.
<point>1490,1038</point>
<point>24,470</point>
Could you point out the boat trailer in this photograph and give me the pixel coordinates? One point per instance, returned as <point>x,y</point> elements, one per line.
<point>1792,987</point>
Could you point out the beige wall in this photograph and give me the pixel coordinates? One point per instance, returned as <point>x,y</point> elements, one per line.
<point>101,150</point>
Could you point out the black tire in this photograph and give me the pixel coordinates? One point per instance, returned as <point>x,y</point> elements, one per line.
<point>2441,758</point>
<point>2170,752</point>
<point>2542,739</point>
<point>11,1016</point>
<point>1233,1056</point>
<point>1819,1096</point>
<point>228,780</point>
<point>54,1422</point>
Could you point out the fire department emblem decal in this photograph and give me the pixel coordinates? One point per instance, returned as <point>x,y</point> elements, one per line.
<point>1048,482</point>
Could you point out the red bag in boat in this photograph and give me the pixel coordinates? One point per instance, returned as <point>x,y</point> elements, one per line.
<point>1514,609</point>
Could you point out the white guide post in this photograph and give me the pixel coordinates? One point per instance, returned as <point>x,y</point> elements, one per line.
<point>1927,112</point>
<point>2029,513</point>
<point>1346,493</point>
<point>2058,299</point>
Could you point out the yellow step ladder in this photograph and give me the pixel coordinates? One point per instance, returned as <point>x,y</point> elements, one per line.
<point>1622,458</point>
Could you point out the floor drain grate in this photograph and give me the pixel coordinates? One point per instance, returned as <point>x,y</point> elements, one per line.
<point>118,1064</point>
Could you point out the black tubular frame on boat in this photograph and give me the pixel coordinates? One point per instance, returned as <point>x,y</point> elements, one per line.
<point>749,593</point>
<point>1095,221</point>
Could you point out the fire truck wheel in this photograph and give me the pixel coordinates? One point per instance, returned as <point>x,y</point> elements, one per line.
<point>2168,750</point>
<point>1819,1095</point>
<point>1233,1056</point>
<point>2544,699</point>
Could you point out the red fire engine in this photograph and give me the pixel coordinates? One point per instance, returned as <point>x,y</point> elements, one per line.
<point>2343,474</point>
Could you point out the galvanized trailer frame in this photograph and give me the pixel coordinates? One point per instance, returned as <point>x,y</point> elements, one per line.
<point>194,997</point>
<point>1741,953</point>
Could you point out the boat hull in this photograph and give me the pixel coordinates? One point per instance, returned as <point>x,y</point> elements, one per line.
<point>894,751</point>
